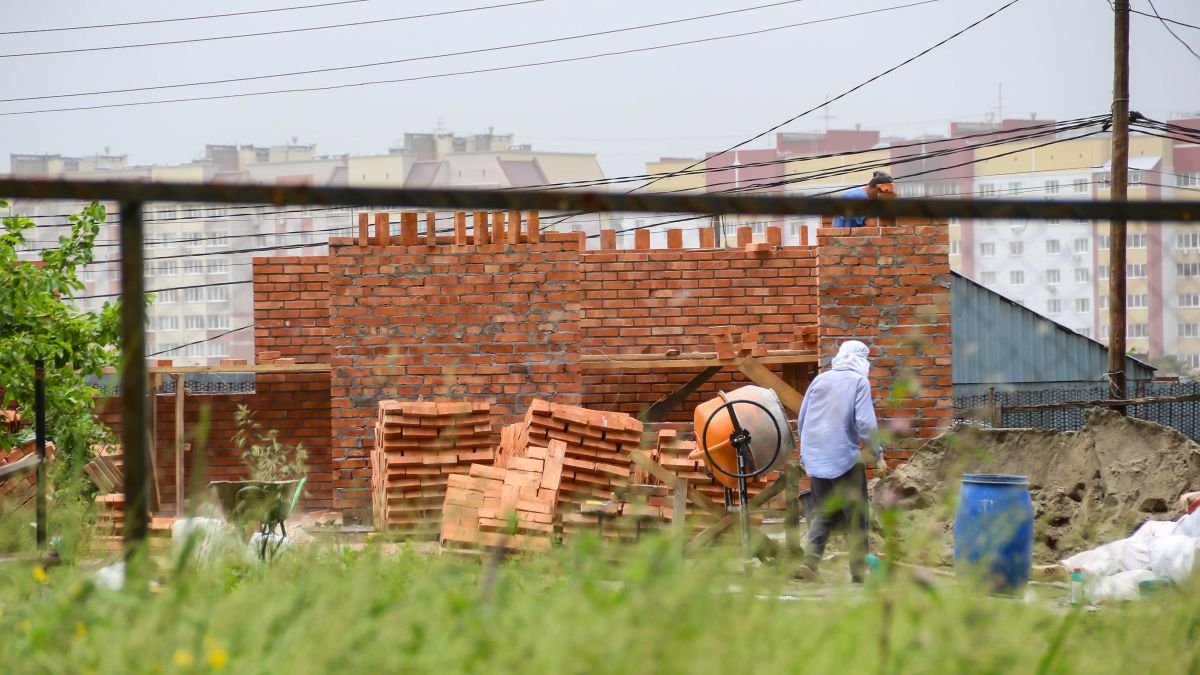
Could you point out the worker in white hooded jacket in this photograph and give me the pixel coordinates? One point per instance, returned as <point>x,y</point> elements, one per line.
<point>836,422</point>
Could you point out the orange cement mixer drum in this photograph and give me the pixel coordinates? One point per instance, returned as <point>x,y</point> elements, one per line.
<point>767,426</point>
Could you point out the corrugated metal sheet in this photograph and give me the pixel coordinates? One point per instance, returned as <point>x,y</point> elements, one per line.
<point>998,341</point>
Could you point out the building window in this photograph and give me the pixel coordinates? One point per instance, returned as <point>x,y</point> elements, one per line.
<point>1016,277</point>
<point>987,278</point>
<point>1104,332</point>
<point>218,349</point>
<point>193,321</point>
<point>261,241</point>
<point>1085,332</point>
<point>192,238</point>
<point>1102,302</point>
<point>1053,306</point>
<point>1083,305</point>
<point>1137,271</point>
<point>1051,187</point>
<point>166,297</point>
<point>218,293</point>
<point>1187,269</point>
<point>1135,240</point>
<point>987,190</point>
<point>1137,330</point>
<point>1016,248</point>
<point>1187,178</point>
<point>1102,272</point>
<point>1083,275</point>
<point>910,190</point>
<point>1103,243</point>
<point>193,266</point>
<point>1053,277</point>
<point>193,294</point>
<point>217,239</point>
<point>1188,241</point>
<point>1014,188</point>
<point>196,349</point>
<point>1081,245</point>
<point>218,266</point>
<point>1137,301</point>
<point>1189,330</point>
<point>165,268</point>
<point>954,246</point>
<point>168,348</point>
<point>943,189</point>
<point>987,249</point>
<point>1052,247</point>
<point>166,323</point>
<point>1189,299</point>
<point>218,321</point>
<point>1081,185</point>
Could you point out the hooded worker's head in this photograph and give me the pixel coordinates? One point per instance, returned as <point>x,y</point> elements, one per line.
<point>852,355</point>
<point>881,186</point>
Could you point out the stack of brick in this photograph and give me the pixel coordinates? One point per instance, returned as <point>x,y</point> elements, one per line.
<point>512,506</point>
<point>22,488</point>
<point>418,446</point>
<point>597,443</point>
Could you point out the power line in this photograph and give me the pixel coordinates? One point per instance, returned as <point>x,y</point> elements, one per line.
<point>1171,30</point>
<point>410,17</point>
<point>405,60</point>
<point>851,90</point>
<point>198,342</point>
<point>477,71</point>
<point>179,19</point>
<point>1164,19</point>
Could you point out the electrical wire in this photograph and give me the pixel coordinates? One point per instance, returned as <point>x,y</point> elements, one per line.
<point>1171,30</point>
<point>184,18</point>
<point>853,89</point>
<point>477,71</point>
<point>412,59</point>
<point>284,31</point>
<point>198,342</point>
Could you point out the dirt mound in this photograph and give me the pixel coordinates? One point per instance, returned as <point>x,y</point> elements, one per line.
<point>1088,487</point>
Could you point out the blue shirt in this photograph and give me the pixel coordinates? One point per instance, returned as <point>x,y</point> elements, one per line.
<point>844,221</point>
<point>836,415</point>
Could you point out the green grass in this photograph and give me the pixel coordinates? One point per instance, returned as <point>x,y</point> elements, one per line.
<point>327,610</point>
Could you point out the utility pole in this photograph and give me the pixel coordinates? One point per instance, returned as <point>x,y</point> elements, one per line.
<point>1119,193</point>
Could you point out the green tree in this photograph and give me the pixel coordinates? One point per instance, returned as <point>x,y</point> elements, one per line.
<point>1171,364</point>
<point>39,320</point>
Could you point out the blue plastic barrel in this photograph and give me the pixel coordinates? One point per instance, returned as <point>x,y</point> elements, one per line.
<point>993,531</point>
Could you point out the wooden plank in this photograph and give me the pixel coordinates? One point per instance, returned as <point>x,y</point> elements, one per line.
<point>156,498</point>
<point>180,395</point>
<point>679,512</point>
<point>758,374</point>
<point>728,519</point>
<point>659,410</point>
<point>688,360</point>
<point>655,469</point>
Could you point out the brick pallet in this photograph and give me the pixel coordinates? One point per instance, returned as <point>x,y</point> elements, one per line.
<point>597,444</point>
<point>419,445</point>
<point>511,506</point>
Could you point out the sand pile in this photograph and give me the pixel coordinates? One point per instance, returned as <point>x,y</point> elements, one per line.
<point>1088,487</point>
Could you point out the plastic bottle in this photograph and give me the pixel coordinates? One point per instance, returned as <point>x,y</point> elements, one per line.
<point>1077,586</point>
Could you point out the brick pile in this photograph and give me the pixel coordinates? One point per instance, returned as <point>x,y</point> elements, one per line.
<point>597,443</point>
<point>418,446</point>
<point>22,489</point>
<point>513,507</point>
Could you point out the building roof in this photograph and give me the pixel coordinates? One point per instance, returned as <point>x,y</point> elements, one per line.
<point>523,173</point>
<point>999,341</point>
<point>423,174</point>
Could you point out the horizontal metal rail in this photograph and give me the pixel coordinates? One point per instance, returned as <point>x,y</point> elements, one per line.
<point>700,204</point>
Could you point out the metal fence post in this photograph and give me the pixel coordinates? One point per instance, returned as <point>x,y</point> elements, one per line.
<point>133,379</point>
<point>39,405</point>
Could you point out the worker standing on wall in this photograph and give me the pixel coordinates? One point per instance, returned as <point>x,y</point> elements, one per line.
<point>836,421</point>
<point>880,187</point>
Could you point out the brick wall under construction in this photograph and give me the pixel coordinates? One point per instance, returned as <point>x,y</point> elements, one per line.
<point>444,317</point>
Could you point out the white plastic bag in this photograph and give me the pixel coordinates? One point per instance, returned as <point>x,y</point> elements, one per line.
<point>111,577</point>
<point>276,544</point>
<point>1135,554</point>
<point>211,535</point>
<point>1189,525</point>
<point>1173,556</point>
<point>1118,587</point>
<point>1101,561</point>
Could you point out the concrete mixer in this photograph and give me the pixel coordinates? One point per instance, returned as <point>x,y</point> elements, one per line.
<point>742,436</point>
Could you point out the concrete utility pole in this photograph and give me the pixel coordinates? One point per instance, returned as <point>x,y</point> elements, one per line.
<point>1119,193</point>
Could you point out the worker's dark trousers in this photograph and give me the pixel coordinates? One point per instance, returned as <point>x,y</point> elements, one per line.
<point>842,499</point>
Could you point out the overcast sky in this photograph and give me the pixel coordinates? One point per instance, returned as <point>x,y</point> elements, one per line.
<point>1052,57</point>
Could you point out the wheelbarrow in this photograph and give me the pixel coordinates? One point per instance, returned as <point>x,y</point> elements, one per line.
<point>257,503</point>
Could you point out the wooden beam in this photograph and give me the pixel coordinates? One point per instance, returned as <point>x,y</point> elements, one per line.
<point>655,469</point>
<point>759,375</point>
<point>728,519</point>
<point>679,513</point>
<point>180,394</point>
<point>659,410</point>
<point>156,493</point>
<point>686,360</point>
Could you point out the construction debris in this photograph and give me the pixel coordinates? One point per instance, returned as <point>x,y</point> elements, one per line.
<point>418,446</point>
<point>1093,485</point>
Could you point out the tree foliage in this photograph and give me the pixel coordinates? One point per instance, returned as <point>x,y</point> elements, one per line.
<point>39,320</point>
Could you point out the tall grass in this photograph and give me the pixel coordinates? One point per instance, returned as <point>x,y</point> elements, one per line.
<point>327,610</point>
